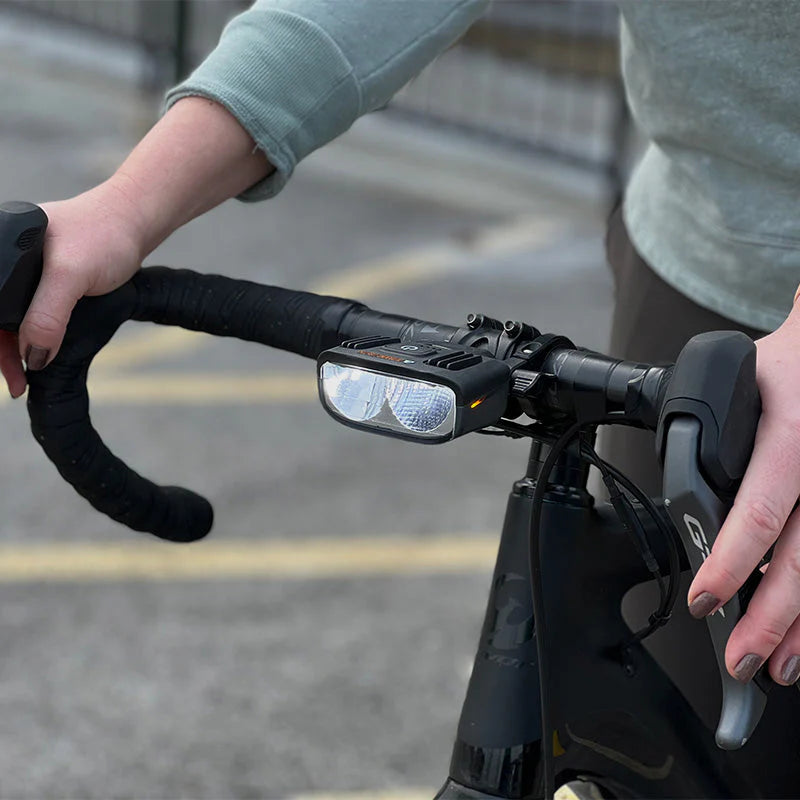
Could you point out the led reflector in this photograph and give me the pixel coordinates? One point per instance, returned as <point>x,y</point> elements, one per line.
<point>356,394</point>
<point>419,406</point>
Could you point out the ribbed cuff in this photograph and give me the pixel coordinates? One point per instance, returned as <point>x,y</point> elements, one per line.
<point>285,80</point>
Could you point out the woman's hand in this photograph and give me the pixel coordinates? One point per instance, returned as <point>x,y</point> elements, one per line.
<point>762,515</point>
<point>93,244</point>
<point>195,157</point>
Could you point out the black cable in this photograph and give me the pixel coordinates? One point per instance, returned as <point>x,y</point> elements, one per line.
<point>558,445</point>
<point>537,504</point>
<point>668,597</point>
<point>627,516</point>
<point>670,536</point>
<point>663,613</point>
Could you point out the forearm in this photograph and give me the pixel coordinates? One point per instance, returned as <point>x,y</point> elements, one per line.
<point>287,76</point>
<point>298,73</point>
<point>196,157</point>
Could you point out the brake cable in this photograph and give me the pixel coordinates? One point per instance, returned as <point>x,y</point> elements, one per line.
<point>663,614</point>
<point>537,594</point>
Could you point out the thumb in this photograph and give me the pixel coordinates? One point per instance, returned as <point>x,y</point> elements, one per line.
<point>42,330</point>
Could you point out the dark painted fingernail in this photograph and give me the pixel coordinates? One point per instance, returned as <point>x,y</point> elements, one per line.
<point>703,605</point>
<point>36,357</point>
<point>791,670</point>
<point>747,667</point>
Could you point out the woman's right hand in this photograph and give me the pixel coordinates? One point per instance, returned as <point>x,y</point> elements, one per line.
<point>94,243</point>
<point>195,157</point>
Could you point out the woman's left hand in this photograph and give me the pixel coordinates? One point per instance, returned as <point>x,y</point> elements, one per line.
<point>764,514</point>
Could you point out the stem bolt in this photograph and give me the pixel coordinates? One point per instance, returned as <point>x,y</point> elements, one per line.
<point>474,321</point>
<point>512,328</point>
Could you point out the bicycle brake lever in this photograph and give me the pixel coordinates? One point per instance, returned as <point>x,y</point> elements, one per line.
<point>698,513</point>
<point>705,436</point>
<point>22,229</point>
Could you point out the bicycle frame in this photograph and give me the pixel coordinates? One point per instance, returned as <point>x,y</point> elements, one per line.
<point>619,720</point>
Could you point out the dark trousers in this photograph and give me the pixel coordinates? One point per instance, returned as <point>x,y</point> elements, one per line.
<point>652,321</point>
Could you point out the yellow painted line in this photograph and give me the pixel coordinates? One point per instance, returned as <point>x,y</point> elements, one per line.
<point>199,389</point>
<point>362,282</point>
<point>404,794</point>
<point>212,560</point>
<point>151,344</point>
<point>563,793</point>
<point>415,267</point>
<point>385,275</point>
<point>204,388</point>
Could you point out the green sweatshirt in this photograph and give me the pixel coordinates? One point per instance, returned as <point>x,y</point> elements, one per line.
<point>715,86</point>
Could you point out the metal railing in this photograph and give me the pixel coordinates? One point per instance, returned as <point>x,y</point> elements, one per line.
<point>540,76</point>
<point>537,75</point>
<point>172,35</point>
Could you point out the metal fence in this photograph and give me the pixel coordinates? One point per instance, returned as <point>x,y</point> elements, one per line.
<point>172,35</point>
<point>538,75</point>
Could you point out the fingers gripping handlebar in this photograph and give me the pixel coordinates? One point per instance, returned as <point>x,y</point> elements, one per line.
<point>58,401</point>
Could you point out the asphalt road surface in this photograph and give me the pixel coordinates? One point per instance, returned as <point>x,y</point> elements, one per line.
<point>318,644</point>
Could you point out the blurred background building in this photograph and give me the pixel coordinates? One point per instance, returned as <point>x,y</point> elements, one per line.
<point>249,666</point>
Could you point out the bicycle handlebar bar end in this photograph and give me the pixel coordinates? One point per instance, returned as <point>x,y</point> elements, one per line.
<point>58,406</point>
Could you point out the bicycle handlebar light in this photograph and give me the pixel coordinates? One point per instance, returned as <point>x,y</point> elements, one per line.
<point>418,390</point>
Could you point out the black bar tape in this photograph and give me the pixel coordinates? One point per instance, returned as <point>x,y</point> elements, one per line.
<point>300,322</point>
<point>58,401</point>
<point>58,404</point>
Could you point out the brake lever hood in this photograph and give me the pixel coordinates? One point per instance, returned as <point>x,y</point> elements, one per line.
<point>705,436</point>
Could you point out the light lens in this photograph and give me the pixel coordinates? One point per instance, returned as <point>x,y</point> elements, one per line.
<point>420,406</point>
<point>403,405</point>
<point>356,394</point>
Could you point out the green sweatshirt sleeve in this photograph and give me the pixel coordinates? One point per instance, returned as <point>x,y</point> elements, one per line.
<point>297,73</point>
